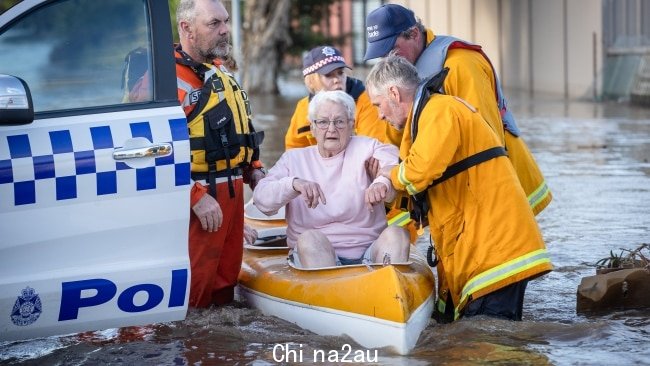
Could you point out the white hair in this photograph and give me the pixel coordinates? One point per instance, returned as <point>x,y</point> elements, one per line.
<point>186,11</point>
<point>392,70</point>
<point>334,96</point>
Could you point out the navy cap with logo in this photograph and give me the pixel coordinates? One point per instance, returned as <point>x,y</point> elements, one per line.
<point>323,60</point>
<point>383,26</point>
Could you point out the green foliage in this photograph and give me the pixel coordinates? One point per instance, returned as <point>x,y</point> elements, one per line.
<point>173,4</point>
<point>613,261</point>
<point>6,4</point>
<point>626,258</point>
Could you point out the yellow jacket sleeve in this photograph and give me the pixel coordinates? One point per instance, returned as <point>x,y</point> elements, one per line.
<point>299,133</point>
<point>433,150</point>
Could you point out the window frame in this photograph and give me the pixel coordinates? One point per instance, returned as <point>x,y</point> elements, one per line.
<point>163,70</point>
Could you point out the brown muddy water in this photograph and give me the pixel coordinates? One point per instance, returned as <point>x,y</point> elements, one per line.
<point>596,159</point>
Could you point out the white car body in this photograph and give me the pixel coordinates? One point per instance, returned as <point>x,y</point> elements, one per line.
<point>94,193</point>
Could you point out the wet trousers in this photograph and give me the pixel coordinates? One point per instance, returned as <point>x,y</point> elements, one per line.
<point>506,303</point>
<point>215,257</point>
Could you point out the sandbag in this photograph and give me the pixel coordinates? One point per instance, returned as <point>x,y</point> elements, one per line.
<point>616,290</point>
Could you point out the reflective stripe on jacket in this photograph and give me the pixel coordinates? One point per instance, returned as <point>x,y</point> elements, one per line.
<point>467,63</point>
<point>484,232</point>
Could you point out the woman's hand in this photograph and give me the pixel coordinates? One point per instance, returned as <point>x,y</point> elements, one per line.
<point>310,192</point>
<point>376,193</point>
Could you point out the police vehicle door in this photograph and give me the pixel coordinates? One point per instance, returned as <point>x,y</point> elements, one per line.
<point>94,193</point>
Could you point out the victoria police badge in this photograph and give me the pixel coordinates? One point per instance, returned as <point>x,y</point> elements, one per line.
<point>27,307</point>
<point>328,51</point>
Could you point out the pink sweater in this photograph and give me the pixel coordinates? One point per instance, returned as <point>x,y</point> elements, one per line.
<point>345,219</point>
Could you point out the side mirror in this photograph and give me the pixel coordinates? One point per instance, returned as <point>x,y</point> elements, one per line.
<point>16,106</point>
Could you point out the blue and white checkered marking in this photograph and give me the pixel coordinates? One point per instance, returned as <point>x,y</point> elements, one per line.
<point>47,167</point>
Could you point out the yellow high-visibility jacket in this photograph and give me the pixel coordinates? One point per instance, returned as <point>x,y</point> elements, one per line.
<point>484,232</point>
<point>471,77</point>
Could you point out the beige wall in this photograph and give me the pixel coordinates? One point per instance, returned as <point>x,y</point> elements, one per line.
<point>537,53</point>
<point>486,26</point>
<point>585,23</point>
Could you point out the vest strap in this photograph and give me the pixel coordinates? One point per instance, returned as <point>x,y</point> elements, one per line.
<point>469,162</point>
<point>420,205</point>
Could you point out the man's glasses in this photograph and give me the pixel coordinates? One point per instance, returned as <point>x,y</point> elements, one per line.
<point>324,124</point>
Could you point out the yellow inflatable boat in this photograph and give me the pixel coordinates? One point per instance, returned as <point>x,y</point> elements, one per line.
<point>377,306</point>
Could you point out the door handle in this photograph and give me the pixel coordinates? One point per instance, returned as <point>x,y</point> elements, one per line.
<point>152,151</point>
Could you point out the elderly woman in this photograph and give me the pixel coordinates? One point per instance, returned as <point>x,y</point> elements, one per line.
<point>334,211</point>
<point>324,69</point>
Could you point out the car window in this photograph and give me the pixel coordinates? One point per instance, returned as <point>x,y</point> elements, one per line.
<point>80,53</point>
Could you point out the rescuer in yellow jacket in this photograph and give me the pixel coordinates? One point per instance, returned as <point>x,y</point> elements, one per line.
<point>324,69</point>
<point>485,235</point>
<point>472,77</point>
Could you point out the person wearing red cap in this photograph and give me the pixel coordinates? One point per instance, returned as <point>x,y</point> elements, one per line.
<point>324,69</point>
<point>471,77</point>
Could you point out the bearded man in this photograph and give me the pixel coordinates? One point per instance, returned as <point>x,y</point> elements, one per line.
<point>224,148</point>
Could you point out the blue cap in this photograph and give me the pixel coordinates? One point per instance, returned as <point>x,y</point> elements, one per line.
<point>383,26</point>
<point>323,60</point>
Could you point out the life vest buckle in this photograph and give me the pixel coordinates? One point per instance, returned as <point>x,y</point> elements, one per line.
<point>224,138</point>
<point>216,84</point>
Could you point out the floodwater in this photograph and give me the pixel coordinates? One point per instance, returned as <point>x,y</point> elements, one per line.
<point>596,159</point>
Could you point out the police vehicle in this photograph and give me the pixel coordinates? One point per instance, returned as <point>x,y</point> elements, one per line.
<point>94,184</point>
